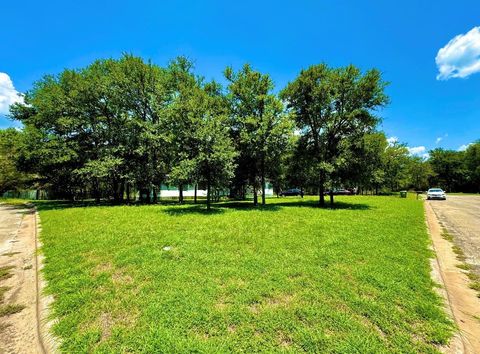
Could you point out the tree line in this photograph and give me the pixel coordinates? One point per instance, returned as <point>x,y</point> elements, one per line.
<point>122,127</point>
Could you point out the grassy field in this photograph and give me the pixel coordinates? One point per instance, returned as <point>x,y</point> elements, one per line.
<point>287,277</point>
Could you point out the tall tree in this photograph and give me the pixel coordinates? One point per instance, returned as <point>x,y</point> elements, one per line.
<point>331,107</point>
<point>472,164</point>
<point>147,95</point>
<point>10,177</point>
<point>53,141</point>
<point>419,173</point>
<point>365,163</point>
<point>449,169</point>
<point>214,162</point>
<point>98,128</point>
<point>395,166</point>
<point>260,127</point>
<point>183,122</point>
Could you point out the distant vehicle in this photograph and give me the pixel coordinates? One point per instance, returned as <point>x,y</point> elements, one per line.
<point>339,192</point>
<point>436,193</point>
<point>290,192</point>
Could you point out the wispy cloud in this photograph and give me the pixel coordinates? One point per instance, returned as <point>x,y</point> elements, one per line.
<point>460,57</point>
<point>8,94</point>
<point>420,151</point>
<point>392,140</point>
<point>417,150</point>
<point>464,147</point>
<point>440,138</point>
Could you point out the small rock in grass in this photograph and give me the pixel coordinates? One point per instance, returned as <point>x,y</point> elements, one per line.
<point>167,248</point>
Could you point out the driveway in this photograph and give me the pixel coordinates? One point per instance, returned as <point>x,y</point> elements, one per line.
<point>460,215</point>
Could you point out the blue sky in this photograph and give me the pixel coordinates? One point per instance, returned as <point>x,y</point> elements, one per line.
<point>402,39</point>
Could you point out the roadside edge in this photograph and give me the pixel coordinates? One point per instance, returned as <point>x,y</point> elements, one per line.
<point>48,342</point>
<point>461,302</point>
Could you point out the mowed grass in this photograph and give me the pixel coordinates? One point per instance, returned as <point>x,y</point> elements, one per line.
<point>287,277</point>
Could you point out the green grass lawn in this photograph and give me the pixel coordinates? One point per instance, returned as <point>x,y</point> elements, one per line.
<point>287,277</point>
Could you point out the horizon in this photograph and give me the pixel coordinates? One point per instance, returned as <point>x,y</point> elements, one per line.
<point>430,56</point>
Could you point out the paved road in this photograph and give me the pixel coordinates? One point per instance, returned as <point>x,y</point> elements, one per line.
<point>460,215</point>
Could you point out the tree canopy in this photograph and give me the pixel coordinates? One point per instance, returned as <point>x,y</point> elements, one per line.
<point>332,108</point>
<point>120,128</point>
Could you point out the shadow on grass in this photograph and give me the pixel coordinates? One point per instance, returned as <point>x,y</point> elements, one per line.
<point>188,207</point>
<point>297,203</point>
<point>43,205</point>
<point>192,209</point>
<point>220,207</point>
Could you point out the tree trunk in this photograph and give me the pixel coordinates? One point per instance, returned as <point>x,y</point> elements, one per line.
<point>155,195</point>
<point>122,191</point>
<point>180,194</point>
<point>331,198</point>
<point>144,195</point>
<point>208,192</point>
<point>115,190</point>
<point>263,180</point>
<point>263,191</point>
<point>195,194</point>
<point>128,192</point>
<point>255,196</point>
<point>96,191</point>
<point>321,190</point>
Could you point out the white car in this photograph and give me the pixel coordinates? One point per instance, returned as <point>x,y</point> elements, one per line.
<point>436,193</point>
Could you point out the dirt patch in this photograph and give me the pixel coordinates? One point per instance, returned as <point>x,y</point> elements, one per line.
<point>282,300</point>
<point>272,302</point>
<point>284,340</point>
<point>20,332</point>
<point>461,301</point>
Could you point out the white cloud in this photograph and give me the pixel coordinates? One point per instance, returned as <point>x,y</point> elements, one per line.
<point>8,94</point>
<point>392,140</point>
<point>460,57</point>
<point>417,150</point>
<point>464,147</point>
<point>440,138</point>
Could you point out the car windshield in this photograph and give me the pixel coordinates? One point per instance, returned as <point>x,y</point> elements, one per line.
<point>435,190</point>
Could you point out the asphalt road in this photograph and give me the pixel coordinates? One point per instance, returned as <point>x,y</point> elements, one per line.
<point>460,215</point>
